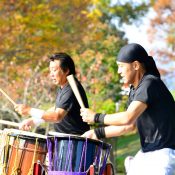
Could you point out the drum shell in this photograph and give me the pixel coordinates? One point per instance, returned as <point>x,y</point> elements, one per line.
<point>76,160</point>
<point>23,151</point>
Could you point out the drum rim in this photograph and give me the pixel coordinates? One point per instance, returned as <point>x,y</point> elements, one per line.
<point>24,134</point>
<point>66,136</point>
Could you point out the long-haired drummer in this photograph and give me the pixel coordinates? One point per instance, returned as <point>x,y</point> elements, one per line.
<point>151,107</point>
<point>66,116</point>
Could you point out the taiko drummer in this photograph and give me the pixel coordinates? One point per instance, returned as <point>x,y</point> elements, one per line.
<point>66,116</point>
<point>151,107</point>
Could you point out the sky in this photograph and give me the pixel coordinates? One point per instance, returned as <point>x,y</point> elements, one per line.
<point>138,34</point>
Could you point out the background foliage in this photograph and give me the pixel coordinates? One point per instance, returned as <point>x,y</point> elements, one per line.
<point>31,30</point>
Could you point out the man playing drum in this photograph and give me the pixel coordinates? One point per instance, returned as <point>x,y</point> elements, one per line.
<point>66,116</point>
<point>151,107</point>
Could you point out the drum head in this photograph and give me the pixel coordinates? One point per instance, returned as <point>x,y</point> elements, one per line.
<point>24,134</point>
<point>64,136</point>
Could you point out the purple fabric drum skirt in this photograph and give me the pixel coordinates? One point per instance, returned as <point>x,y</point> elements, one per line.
<point>73,155</point>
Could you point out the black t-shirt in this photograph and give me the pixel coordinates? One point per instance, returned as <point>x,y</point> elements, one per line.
<point>156,125</point>
<point>72,123</point>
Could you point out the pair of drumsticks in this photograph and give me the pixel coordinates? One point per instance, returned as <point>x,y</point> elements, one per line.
<point>75,90</point>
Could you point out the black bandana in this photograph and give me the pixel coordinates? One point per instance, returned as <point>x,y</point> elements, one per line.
<point>132,52</point>
<point>135,52</point>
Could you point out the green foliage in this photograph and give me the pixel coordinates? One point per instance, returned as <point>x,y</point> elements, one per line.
<point>31,30</point>
<point>173,93</point>
<point>134,12</point>
<point>158,30</point>
<point>107,106</point>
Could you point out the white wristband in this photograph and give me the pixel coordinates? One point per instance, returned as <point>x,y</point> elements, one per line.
<point>38,121</point>
<point>36,113</point>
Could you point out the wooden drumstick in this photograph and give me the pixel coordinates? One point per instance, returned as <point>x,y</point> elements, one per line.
<point>7,97</point>
<point>73,85</point>
<point>5,122</point>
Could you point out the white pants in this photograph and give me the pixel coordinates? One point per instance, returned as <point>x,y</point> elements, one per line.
<point>159,162</point>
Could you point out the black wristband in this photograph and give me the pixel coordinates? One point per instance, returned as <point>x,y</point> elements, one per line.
<point>96,117</point>
<point>100,133</point>
<point>99,118</point>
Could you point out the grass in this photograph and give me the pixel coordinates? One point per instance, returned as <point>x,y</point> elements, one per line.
<point>127,145</point>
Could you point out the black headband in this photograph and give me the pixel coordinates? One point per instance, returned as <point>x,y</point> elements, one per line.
<point>132,52</point>
<point>135,52</point>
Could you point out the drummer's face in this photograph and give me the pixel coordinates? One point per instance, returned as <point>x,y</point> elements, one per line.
<point>127,72</point>
<point>56,73</point>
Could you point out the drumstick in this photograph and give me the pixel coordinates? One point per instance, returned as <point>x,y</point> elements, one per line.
<point>5,122</point>
<point>73,85</point>
<point>7,97</point>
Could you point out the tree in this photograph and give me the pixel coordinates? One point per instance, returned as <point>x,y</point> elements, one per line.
<point>163,28</point>
<point>31,30</point>
<point>100,49</point>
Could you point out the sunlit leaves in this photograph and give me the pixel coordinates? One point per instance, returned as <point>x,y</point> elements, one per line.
<point>33,29</point>
<point>163,26</point>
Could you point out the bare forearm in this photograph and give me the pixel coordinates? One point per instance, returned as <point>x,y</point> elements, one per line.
<point>121,118</point>
<point>114,131</point>
<point>135,109</point>
<point>48,116</point>
<point>109,131</point>
<point>51,116</point>
<point>54,116</point>
<point>128,117</point>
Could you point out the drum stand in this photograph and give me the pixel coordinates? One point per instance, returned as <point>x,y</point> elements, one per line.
<point>94,170</point>
<point>39,169</point>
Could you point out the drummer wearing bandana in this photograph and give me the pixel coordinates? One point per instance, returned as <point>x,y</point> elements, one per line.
<point>66,116</point>
<point>151,108</point>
